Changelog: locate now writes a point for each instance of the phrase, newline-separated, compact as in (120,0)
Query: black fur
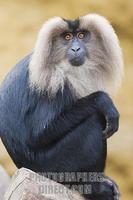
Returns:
(73,24)
(61,134)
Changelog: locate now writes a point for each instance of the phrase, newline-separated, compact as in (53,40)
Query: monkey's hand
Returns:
(106,107)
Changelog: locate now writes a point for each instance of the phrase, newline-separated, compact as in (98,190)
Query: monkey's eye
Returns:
(81,35)
(68,36)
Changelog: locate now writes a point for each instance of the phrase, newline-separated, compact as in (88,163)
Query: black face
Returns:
(76,41)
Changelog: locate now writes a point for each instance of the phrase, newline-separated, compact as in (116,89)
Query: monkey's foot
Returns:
(105,190)
(114,187)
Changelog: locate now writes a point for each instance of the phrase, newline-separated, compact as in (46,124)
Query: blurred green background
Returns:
(19,24)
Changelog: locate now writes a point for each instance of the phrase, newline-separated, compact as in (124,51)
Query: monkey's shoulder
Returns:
(19,104)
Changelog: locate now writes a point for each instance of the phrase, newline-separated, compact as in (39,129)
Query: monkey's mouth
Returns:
(76,61)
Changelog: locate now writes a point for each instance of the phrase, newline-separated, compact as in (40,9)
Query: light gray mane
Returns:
(102,71)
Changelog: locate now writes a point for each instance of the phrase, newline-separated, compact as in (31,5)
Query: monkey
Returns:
(56,112)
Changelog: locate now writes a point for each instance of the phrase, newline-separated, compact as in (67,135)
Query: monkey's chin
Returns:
(76,62)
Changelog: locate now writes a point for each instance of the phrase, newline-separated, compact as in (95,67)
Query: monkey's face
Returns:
(75,44)
(71,45)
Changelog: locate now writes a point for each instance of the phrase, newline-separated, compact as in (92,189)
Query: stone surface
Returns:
(32,196)
(4,182)
(28,185)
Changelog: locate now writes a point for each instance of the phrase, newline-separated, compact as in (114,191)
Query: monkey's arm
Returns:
(72,117)
(106,107)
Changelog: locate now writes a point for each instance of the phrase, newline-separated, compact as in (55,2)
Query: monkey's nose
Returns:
(75,49)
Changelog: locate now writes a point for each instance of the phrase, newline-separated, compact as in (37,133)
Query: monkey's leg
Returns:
(71,117)
(81,150)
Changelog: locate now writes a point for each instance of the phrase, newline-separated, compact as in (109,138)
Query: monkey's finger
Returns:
(116,192)
(111,127)
(115,188)
(107,132)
